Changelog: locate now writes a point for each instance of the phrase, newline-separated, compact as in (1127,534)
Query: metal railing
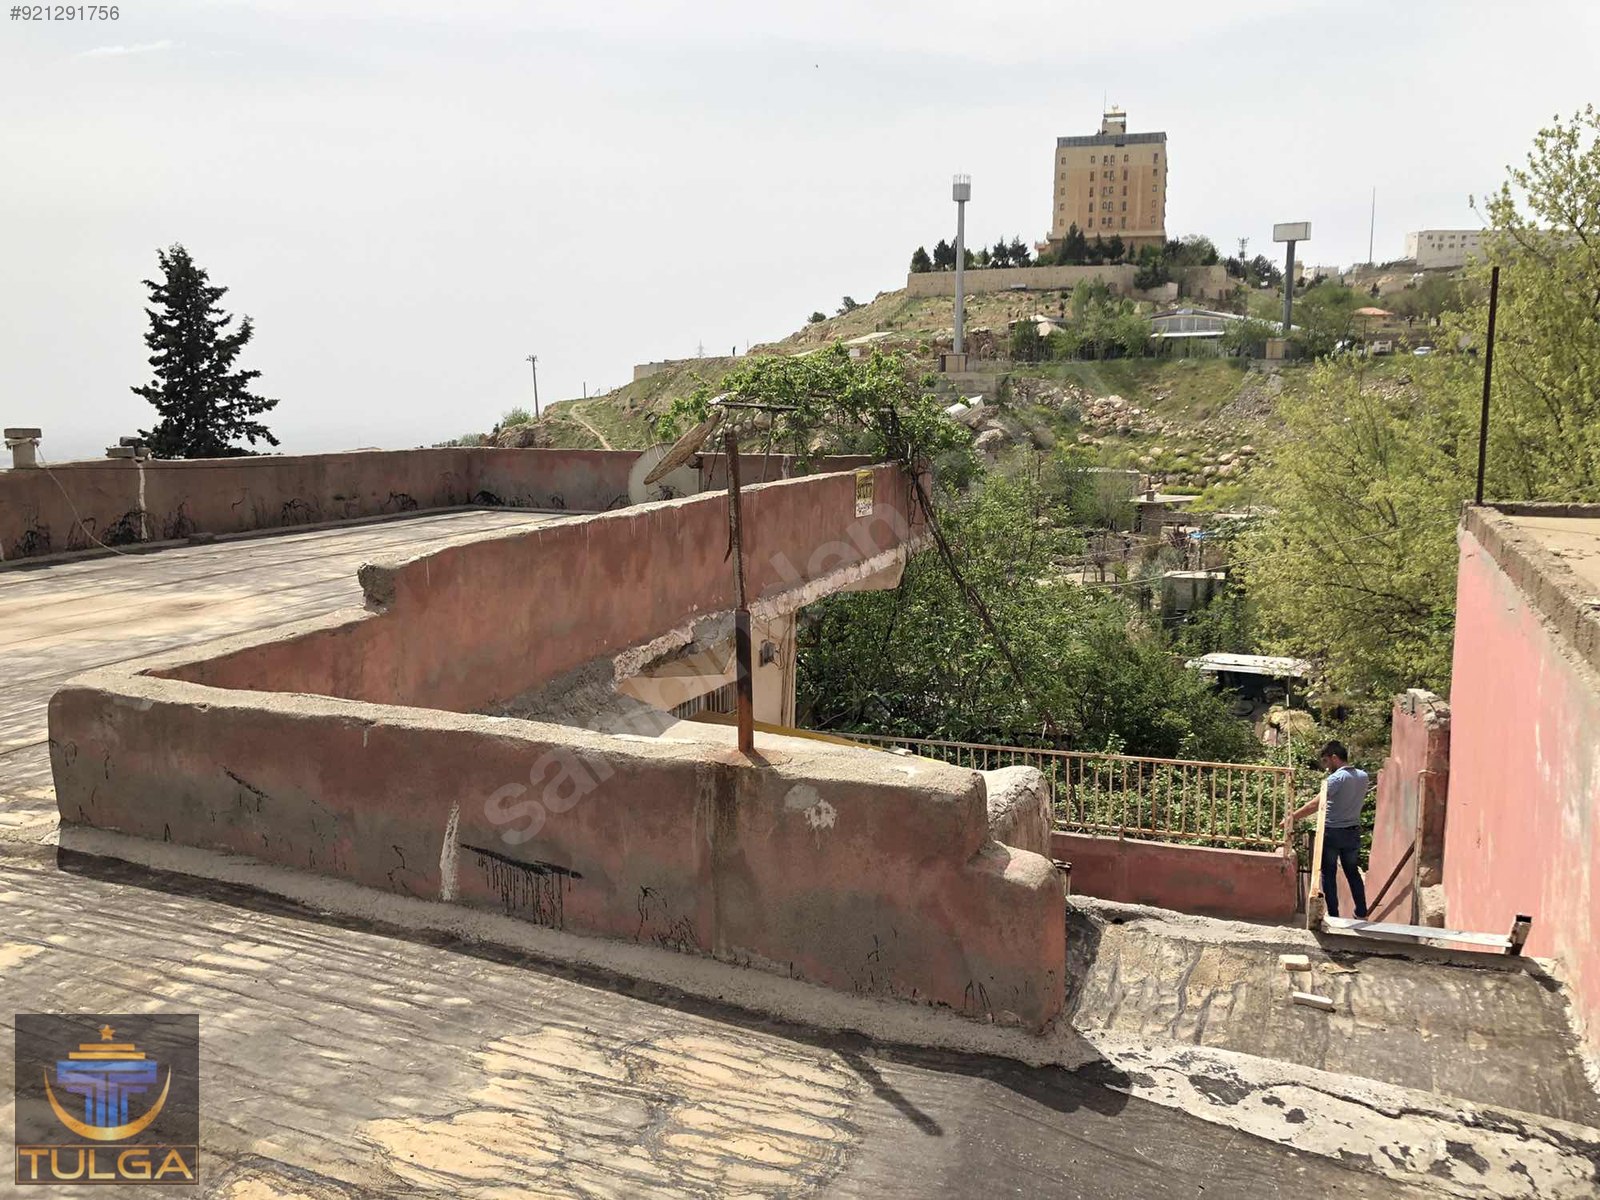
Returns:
(1240,805)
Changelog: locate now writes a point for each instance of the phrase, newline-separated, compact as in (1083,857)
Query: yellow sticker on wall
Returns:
(864,492)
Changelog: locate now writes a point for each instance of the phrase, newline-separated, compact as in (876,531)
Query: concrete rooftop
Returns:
(350,1057)
(1572,539)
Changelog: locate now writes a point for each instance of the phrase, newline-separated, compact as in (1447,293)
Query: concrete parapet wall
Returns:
(1118,276)
(850,868)
(1247,885)
(489,618)
(1522,833)
(1410,815)
(122,501)
(1198,282)
(353,745)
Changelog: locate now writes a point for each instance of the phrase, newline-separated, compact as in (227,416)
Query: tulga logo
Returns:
(107,1099)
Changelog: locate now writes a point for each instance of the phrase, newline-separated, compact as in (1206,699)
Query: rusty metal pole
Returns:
(741,614)
(1488,372)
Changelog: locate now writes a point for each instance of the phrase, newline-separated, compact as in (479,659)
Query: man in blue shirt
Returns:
(1341,838)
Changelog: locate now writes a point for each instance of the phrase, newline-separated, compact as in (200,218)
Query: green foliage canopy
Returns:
(1357,562)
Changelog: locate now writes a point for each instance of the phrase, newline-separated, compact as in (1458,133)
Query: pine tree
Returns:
(205,404)
(920,262)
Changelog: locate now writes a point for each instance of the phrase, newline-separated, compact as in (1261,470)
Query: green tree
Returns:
(816,317)
(1323,317)
(1020,256)
(1248,338)
(833,403)
(1115,250)
(1152,271)
(1438,294)
(847,305)
(203,399)
(1000,254)
(917,660)
(1193,251)
(1546,425)
(921,264)
(1355,565)
(1026,343)
(944,256)
(1074,248)
(1357,561)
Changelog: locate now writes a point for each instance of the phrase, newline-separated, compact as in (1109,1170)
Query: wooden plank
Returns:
(1316,902)
(1414,933)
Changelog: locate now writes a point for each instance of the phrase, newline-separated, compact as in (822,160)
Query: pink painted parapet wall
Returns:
(1246,885)
(1408,830)
(74,506)
(1523,828)
(327,747)
(490,617)
(121,502)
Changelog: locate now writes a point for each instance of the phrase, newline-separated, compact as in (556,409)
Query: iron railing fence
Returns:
(1238,805)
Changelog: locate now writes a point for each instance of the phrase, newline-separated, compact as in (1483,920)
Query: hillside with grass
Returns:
(1192,424)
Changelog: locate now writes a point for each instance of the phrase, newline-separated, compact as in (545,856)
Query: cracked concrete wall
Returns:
(120,501)
(489,618)
(1523,827)
(856,870)
(1249,885)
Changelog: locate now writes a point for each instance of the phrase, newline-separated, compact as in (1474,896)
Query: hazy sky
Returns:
(409,198)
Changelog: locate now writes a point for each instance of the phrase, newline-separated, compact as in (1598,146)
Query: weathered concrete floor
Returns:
(59,620)
(1492,1031)
(345,1060)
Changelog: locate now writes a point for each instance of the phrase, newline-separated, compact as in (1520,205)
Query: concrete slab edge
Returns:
(242,535)
(1412,1137)
(1401,1134)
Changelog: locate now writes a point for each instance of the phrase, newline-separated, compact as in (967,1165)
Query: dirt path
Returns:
(584,421)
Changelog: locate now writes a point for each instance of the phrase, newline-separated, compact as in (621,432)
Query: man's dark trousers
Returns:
(1343,846)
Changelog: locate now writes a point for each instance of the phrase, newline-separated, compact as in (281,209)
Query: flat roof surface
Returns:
(1111,139)
(1251,664)
(348,1060)
(1574,540)
(345,1059)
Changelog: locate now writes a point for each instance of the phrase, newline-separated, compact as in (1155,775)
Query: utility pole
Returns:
(1372,225)
(961,192)
(533,361)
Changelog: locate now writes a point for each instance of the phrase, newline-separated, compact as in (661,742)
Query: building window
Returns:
(1124,172)
(1124,158)
(1124,222)
(1124,206)
(1091,176)
(1091,206)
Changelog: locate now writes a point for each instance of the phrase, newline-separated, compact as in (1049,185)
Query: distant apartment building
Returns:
(1112,183)
(1441,249)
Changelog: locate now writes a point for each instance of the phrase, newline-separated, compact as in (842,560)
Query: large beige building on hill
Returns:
(1112,182)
